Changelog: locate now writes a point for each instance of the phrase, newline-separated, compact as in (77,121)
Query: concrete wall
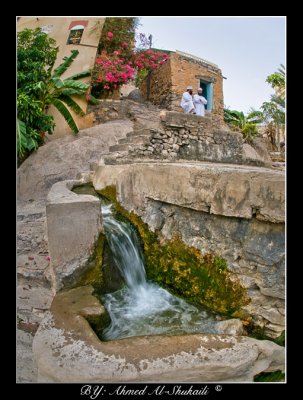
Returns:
(59,30)
(73,226)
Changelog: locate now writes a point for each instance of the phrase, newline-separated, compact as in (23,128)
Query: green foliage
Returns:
(249,131)
(276,376)
(280,340)
(202,280)
(57,91)
(118,61)
(123,30)
(38,89)
(67,61)
(247,125)
(36,55)
(94,275)
(277,81)
(259,332)
(274,110)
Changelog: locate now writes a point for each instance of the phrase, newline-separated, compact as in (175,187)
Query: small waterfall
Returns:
(142,307)
(125,248)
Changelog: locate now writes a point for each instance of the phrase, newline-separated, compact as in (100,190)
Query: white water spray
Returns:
(142,307)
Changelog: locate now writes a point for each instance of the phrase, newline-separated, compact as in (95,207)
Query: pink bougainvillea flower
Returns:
(110,34)
(87,98)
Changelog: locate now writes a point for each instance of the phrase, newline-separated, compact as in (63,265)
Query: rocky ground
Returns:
(34,294)
(62,159)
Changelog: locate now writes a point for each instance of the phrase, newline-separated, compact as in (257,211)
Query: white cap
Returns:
(200,89)
(189,88)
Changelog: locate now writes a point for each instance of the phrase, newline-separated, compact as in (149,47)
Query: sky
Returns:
(246,49)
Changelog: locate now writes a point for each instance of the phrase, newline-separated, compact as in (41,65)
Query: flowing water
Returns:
(142,307)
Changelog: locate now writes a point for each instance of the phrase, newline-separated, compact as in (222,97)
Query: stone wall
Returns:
(169,82)
(188,71)
(160,86)
(253,249)
(191,137)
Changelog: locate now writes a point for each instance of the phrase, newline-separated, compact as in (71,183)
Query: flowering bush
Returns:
(111,71)
(118,62)
(147,61)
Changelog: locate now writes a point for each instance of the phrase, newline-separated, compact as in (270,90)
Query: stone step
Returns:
(113,158)
(138,132)
(118,147)
(140,139)
(150,122)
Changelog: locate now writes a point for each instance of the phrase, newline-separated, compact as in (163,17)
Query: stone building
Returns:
(70,33)
(166,85)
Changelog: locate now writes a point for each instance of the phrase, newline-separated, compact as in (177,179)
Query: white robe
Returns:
(187,102)
(199,102)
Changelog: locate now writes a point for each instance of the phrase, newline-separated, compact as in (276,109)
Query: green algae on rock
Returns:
(201,280)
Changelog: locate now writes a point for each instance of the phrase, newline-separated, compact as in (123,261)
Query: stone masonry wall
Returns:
(160,86)
(190,137)
(186,72)
(169,82)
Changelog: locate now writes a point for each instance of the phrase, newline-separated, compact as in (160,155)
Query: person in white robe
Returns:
(187,101)
(199,102)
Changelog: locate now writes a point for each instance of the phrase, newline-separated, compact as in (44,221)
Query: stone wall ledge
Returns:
(240,191)
(73,226)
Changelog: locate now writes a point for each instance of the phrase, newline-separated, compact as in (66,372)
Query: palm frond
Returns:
(80,75)
(281,70)
(67,62)
(66,114)
(72,104)
(93,100)
(21,139)
(278,100)
(69,83)
(72,91)
(57,82)
(255,117)
(31,143)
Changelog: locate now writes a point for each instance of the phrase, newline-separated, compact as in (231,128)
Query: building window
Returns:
(75,35)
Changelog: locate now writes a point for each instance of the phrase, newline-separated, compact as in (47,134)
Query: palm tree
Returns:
(274,112)
(247,125)
(58,92)
(277,81)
